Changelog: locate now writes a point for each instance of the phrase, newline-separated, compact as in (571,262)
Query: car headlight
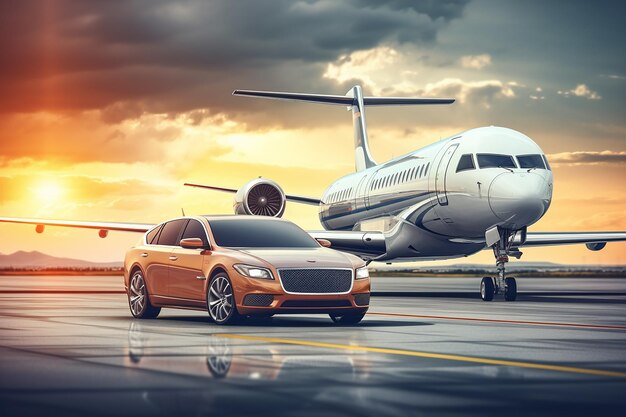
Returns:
(362,273)
(254,271)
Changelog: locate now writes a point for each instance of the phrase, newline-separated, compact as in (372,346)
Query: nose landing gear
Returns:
(502,248)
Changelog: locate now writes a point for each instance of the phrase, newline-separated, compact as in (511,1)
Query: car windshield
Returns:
(491,160)
(259,233)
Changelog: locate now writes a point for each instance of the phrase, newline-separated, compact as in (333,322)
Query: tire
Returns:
(348,318)
(487,289)
(510,292)
(138,299)
(220,300)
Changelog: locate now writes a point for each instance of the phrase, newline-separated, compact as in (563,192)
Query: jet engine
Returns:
(260,197)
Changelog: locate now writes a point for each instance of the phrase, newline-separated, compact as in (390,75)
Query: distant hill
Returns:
(34,259)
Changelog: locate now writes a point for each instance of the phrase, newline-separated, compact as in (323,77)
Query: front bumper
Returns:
(262,297)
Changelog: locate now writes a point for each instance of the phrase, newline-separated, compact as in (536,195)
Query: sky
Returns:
(107,108)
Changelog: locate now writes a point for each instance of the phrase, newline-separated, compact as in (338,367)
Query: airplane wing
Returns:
(102,226)
(366,244)
(289,197)
(593,240)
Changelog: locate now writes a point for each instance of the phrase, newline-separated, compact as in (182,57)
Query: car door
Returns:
(186,278)
(157,258)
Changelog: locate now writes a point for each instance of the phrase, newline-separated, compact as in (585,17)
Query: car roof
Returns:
(241,217)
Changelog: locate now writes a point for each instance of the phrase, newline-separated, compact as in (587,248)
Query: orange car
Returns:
(235,266)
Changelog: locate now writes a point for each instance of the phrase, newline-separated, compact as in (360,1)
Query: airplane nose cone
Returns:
(519,199)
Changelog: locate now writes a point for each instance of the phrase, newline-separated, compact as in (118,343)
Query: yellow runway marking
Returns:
(401,352)
(533,323)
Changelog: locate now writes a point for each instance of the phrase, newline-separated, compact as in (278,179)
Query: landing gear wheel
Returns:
(138,299)
(221,300)
(487,289)
(348,318)
(510,289)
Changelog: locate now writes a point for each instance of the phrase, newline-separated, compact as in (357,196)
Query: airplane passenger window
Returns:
(465,163)
(491,160)
(530,161)
(171,231)
(426,169)
(194,229)
(153,234)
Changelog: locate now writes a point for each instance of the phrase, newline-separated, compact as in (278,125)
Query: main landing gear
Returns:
(501,284)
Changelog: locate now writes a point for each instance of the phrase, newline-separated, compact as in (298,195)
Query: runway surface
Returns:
(68,346)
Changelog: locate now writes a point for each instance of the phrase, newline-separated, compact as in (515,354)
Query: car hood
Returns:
(301,258)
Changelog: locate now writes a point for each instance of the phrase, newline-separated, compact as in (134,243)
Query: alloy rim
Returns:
(137,294)
(219,357)
(220,299)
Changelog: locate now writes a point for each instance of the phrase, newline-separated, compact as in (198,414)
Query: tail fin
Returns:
(355,101)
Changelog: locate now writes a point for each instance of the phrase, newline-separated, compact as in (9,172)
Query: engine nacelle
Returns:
(596,246)
(260,197)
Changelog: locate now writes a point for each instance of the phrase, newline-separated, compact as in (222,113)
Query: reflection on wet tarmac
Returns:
(225,358)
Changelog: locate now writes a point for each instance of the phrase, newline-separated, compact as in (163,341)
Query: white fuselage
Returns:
(445,204)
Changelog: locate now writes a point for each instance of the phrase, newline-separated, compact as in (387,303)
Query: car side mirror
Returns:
(192,243)
(325,243)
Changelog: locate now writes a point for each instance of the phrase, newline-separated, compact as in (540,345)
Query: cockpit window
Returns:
(531,161)
(465,163)
(546,161)
(492,160)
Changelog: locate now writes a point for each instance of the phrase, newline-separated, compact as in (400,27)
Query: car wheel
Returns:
(349,318)
(138,299)
(221,300)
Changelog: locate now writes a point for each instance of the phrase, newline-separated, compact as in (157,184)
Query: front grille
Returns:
(258,300)
(316,303)
(316,281)
(362,299)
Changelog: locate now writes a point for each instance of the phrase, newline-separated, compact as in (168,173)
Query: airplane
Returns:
(477,190)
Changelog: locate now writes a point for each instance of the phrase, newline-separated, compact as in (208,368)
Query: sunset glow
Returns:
(48,192)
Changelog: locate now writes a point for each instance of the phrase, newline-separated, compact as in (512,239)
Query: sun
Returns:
(48,191)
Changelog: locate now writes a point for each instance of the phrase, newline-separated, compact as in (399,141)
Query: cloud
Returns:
(162,56)
(475,61)
(476,92)
(580,158)
(614,76)
(581,90)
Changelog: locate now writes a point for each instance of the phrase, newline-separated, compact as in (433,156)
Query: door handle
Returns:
(173,258)
(144,255)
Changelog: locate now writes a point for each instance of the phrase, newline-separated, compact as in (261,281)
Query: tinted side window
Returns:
(465,163)
(171,231)
(150,237)
(194,229)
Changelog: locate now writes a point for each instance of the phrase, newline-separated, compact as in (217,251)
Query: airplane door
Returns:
(440,175)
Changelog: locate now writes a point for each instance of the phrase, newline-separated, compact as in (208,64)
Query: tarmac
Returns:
(428,346)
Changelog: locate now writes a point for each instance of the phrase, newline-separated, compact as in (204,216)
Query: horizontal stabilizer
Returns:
(343,100)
